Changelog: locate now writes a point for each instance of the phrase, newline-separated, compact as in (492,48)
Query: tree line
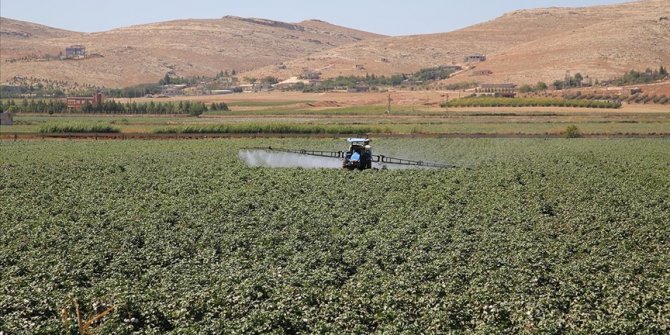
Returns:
(636,77)
(113,107)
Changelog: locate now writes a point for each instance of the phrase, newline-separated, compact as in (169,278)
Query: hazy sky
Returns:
(389,17)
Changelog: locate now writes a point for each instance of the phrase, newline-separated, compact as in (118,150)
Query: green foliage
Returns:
(540,237)
(558,85)
(136,91)
(219,106)
(267,129)
(636,77)
(572,132)
(529,102)
(111,106)
(374,81)
(432,74)
(460,86)
(170,80)
(78,128)
(525,89)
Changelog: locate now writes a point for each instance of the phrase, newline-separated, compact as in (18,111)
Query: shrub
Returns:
(78,128)
(572,132)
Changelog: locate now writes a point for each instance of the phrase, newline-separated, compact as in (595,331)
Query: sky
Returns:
(388,17)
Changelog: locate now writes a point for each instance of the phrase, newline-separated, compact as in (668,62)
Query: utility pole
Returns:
(388,107)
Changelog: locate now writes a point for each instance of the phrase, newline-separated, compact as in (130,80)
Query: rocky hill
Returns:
(145,53)
(525,46)
(521,47)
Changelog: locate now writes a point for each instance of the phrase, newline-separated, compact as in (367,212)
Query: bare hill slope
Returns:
(521,47)
(524,46)
(145,53)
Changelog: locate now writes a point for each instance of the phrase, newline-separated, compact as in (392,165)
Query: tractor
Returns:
(359,156)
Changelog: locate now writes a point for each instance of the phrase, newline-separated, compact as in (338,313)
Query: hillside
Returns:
(521,47)
(524,46)
(14,29)
(145,53)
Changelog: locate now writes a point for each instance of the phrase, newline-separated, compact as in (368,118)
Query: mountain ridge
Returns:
(523,46)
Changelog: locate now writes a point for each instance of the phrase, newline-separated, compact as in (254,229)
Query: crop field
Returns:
(153,237)
(372,119)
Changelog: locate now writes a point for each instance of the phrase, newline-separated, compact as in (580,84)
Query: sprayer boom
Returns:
(359,157)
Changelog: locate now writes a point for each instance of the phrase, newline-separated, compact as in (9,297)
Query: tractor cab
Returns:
(359,155)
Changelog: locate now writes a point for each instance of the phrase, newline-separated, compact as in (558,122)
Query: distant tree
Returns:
(525,89)
(572,132)
(541,86)
(558,84)
(166,80)
(87,107)
(221,106)
(578,79)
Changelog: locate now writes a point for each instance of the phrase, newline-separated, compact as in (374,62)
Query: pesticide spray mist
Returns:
(264,158)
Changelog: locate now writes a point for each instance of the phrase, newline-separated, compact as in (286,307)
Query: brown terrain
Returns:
(145,53)
(521,47)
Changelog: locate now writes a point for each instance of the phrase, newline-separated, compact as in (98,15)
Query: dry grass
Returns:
(522,47)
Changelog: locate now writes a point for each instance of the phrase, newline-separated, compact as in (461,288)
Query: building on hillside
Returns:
(474,58)
(173,90)
(359,89)
(498,90)
(360,67)
(78,102)
(6,118)
(75,51)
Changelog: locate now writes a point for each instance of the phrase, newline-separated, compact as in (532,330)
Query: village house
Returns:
(474,58)
(359,89)
(173,90)
(499,90)
(79,102)
(75,51)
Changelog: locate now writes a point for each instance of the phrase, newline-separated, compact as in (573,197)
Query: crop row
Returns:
(267,129)
(78,128)
(529,102)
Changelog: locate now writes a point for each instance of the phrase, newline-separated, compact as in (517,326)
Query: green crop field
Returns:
(152,237)
(367,118)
